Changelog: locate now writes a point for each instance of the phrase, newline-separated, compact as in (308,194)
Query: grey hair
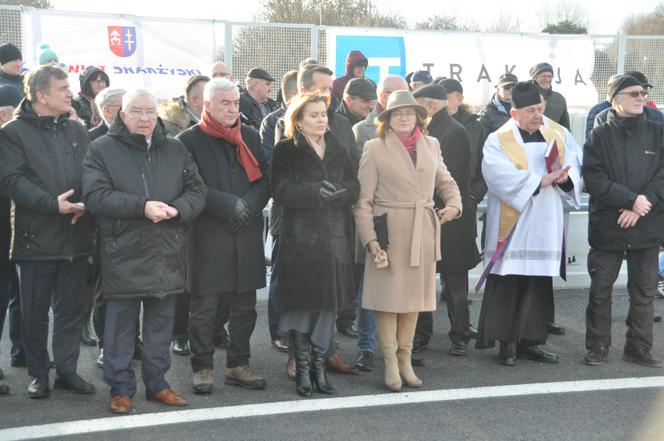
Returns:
(131,94)
(439,103)
(107,96)
(217,85)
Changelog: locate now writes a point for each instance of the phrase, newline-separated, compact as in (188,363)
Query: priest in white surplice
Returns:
(525,245)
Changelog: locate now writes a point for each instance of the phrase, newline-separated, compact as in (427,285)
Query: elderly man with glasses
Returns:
(144,189)
(623,168)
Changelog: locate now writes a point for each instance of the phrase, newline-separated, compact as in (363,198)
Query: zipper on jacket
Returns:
(145,183)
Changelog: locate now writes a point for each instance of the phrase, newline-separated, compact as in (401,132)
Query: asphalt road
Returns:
(449,407)
(589,415)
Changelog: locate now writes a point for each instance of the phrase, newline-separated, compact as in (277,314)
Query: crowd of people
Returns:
(114,203)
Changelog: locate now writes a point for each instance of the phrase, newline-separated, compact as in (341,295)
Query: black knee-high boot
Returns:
(302,363)
(318,371)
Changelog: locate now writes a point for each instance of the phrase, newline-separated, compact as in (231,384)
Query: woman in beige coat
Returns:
(399,172)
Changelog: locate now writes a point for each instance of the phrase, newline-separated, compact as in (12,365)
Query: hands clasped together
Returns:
(158,211)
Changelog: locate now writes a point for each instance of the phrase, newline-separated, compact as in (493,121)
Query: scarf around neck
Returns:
(410,142)
(232,135)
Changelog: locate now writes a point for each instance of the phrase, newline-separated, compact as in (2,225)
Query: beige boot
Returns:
(406,324)
(386,330)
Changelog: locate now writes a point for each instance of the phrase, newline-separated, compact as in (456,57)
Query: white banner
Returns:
(476,60)
(134,51)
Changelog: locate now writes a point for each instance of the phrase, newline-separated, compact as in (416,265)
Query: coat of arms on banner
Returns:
(122,40)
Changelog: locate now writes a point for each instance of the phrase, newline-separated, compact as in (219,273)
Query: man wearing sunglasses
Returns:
(650,112)
(623,168)
(497,112)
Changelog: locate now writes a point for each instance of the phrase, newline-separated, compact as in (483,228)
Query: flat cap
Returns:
(361,87)
(452,85)
(260,74)
(433,91)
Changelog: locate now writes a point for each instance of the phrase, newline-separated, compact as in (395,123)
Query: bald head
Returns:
(219,70)
(388,85)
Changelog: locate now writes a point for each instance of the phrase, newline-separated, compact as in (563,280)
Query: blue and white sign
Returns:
(386,54)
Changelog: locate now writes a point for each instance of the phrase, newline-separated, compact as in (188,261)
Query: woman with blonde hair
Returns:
(397,222)
(313,178)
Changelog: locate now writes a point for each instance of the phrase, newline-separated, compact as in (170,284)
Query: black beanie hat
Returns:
(9,52)
(539,69)
(524,94)
(620,83)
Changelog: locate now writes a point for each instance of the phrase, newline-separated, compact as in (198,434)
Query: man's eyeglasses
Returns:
(634,93)
(139,113)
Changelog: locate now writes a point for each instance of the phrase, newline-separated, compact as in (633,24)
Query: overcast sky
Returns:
(605,16)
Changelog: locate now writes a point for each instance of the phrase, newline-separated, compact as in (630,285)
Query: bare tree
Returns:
(504,21)
(329,13)
(443,22)
(564,11)
(40,4)
(646,24)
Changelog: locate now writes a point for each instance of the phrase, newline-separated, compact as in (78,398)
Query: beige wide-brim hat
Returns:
(399,99)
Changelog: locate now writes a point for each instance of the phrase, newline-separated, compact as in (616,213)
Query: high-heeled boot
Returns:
(318,375)
(386,330)
(406,324)
(302,363)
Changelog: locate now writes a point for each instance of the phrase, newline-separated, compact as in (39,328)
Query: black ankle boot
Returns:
(301,351)
(318,371)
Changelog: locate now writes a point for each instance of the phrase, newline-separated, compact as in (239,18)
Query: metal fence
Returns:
(279,48)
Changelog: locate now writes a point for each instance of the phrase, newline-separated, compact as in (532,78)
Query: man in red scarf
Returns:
(227,262)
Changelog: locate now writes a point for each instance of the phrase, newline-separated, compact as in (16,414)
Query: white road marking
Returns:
(316,405)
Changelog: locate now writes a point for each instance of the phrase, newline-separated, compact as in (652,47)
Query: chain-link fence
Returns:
(279,48)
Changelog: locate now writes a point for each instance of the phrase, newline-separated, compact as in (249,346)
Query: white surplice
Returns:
(535,248)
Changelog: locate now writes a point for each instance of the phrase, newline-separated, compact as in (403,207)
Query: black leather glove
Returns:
(242,214)
(327,189)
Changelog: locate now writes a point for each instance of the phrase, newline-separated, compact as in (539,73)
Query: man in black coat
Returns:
(458,249)
(255,102)
(623,169)
(9,296)
(497,111)
(41,170)
(227,262)
(144,189)
(108,102)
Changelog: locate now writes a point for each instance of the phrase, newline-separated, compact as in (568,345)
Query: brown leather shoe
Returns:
(169,398)
(337,364)
(120,404)
(290,368)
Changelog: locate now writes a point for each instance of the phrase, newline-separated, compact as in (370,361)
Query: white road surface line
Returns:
(316,405)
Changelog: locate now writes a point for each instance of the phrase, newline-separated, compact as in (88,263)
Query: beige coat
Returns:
(390,184)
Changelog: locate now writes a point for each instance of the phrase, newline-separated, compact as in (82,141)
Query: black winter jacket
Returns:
(622,159)
(458,249)
(494,115)
(316,239)
(140,258)
(251,110)
(220,260)
(478,134)
(41,158)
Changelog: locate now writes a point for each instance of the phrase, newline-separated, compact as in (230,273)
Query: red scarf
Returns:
(410,142)
(95,118)
(213,128)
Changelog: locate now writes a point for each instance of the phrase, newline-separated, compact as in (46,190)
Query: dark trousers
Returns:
(119,337)
(90,292)
(10,305)
(181,326)
(99,311)
(603,267)
(272,307)
(456,296)
(456,285)
(241,323)
(63,281)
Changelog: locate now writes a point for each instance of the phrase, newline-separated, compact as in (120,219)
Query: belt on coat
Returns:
(420,207)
